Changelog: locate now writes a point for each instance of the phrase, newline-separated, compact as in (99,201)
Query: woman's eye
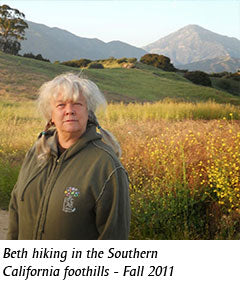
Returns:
(60,105)
(78,104)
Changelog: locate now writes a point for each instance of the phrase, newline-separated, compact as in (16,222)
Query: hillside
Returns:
(58,44)
(194,43)
(21,77)
(218,64)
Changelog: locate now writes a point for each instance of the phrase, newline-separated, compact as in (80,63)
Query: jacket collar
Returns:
(88,136)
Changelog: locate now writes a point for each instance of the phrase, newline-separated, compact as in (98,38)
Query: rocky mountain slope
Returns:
(194,43)
(217,64)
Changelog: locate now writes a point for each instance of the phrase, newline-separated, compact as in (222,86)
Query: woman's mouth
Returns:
(70,121)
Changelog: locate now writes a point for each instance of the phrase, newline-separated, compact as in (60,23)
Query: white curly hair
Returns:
(71,85)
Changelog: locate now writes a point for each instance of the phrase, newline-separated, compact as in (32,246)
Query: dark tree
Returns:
(12,29)
(159,61)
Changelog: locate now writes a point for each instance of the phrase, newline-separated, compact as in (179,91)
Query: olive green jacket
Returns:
(83,194)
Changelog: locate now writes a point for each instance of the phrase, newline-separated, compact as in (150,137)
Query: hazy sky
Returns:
(136,22)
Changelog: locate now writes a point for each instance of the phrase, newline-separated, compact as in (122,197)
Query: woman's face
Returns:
(70,117)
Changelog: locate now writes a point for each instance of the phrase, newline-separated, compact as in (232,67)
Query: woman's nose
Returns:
(70,109)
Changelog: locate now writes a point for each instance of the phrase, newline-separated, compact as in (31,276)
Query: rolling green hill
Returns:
(21,77)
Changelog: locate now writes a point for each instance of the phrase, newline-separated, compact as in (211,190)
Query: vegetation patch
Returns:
(227,81)
(198,77)
(159,61)
(183,164)
(96,65)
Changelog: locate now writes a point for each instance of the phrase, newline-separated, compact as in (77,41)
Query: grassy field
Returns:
(181,147)
(184,170)
(21,78)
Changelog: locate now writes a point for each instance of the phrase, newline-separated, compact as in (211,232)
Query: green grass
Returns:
(154,85)
(171,215)
(8,178)
(21,77)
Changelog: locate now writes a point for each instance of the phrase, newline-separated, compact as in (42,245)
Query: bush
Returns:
(38,56)
(95,65)
(159,61)
(121,60)
(235,76)
(132,60)
(227,75)
(83,62)
(220,74)
(224,84)
(228,84)
(198,77)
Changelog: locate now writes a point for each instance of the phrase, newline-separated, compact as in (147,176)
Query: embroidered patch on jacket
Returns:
(68,202)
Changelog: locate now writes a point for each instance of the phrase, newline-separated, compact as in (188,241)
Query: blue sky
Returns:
(136,22)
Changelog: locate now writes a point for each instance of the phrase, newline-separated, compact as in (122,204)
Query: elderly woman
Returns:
(71,184)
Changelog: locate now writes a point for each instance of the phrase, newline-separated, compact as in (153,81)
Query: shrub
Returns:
(121,60)
(198,77)
(234,76)
(83,62)
(29,55)
(95,65)
(228,75)
(159,61)
(38,56)
(228,84)
(224,84)
(132,60)
(220,74)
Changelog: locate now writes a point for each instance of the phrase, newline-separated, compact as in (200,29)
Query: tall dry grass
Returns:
(184,173)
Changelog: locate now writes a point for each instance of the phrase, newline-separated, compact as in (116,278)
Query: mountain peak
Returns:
(194,43)
(194,26)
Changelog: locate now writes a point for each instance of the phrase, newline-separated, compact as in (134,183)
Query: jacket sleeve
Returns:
(113,207)
(13,217)
(13,207)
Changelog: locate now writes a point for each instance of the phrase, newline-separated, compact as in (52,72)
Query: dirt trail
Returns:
(3,224)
